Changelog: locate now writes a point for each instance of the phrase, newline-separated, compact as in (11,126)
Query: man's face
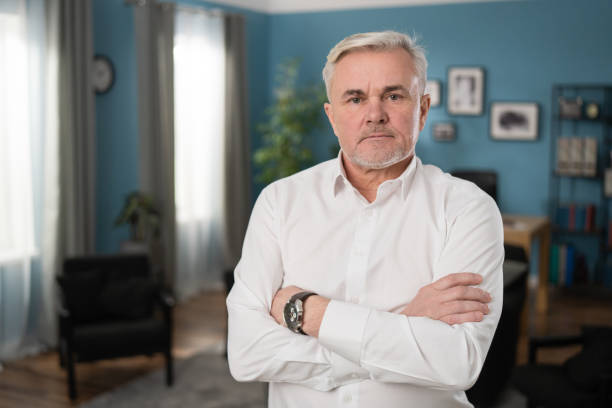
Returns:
(375,108)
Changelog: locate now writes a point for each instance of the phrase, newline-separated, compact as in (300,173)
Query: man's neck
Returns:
(367,180)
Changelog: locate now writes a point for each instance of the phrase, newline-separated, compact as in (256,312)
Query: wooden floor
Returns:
(39,381)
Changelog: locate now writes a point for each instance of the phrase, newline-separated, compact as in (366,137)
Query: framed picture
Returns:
(432,87)
(514,120)
(465,91)
(444,132)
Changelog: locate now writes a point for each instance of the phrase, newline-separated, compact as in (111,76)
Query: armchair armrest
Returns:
(536,343)
(166,299)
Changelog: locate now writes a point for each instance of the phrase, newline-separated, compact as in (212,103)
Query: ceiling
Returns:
(304,6)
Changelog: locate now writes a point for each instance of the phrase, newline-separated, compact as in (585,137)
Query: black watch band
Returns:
(294,311)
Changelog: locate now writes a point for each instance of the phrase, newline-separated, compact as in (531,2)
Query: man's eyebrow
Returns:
(393,88)
(352,92)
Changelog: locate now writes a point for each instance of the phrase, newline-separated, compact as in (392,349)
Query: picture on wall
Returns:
(444,132)
(465,91)
(514,120)
(432,88)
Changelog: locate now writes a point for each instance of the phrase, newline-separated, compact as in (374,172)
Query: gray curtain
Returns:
(237,148)
(154,27)
(77,129)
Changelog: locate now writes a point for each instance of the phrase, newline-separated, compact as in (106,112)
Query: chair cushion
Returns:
(121,338)
(595,358)
(132,298)
(549,386)
(81,291)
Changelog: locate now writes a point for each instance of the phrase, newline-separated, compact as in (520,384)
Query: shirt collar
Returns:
(340,181)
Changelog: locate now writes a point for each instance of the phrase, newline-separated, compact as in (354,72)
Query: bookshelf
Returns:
(581,123)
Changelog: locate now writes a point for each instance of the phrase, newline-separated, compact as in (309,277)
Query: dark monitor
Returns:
(485,179)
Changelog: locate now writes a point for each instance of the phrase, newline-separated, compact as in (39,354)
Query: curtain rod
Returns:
(183,7)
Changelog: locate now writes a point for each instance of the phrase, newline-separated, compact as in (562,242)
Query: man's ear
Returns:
(330,115)
(424,110)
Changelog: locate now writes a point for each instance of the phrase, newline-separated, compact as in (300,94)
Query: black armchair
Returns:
(585,380)
(112,307)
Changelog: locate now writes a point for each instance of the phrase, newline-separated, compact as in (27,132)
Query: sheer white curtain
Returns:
(28,175)
(199,109)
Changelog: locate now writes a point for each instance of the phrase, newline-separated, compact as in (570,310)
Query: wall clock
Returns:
(103,75)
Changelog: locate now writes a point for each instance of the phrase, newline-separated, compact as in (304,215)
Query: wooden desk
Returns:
(520,230)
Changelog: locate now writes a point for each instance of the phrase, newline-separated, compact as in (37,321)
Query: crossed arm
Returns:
(451,299)
(440,339)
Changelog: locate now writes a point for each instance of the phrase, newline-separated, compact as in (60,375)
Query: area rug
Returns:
(202,381)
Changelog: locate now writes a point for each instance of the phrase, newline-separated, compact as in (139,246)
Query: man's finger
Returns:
(462,306)
(465,293)
(463,318)
(457,279)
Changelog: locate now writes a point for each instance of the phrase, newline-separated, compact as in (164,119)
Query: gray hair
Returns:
(377,41)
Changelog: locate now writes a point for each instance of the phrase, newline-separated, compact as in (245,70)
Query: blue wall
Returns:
(524,47)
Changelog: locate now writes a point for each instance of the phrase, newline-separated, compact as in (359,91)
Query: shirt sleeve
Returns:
(259,349)
(422,351)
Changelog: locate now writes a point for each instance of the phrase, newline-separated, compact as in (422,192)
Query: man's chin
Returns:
(375,163)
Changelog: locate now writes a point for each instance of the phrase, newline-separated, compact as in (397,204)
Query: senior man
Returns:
(370,279)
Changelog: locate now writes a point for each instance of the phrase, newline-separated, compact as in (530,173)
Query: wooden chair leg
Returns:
(71,380)
(61,351)
(169,368)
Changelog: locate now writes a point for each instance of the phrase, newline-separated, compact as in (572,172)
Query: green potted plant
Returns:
(294,115)
(143,218)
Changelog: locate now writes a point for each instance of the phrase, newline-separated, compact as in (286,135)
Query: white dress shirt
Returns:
(314,230)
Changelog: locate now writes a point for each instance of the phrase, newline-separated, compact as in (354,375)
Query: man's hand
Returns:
(451,299)
(314,309)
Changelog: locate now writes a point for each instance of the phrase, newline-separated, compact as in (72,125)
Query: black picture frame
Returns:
(514,121)
(465,91)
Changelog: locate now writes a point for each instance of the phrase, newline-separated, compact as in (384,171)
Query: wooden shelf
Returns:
(596,177)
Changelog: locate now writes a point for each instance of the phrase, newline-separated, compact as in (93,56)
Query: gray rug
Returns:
(202,381)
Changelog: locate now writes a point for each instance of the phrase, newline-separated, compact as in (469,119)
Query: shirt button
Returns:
(347,398)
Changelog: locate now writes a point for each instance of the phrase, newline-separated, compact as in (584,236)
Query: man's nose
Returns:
(376,114)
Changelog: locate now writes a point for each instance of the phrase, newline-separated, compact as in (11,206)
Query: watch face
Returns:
(292,317)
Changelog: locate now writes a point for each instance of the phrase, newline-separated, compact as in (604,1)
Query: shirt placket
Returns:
(359,254)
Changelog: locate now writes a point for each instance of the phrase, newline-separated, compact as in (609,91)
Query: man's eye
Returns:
(395,97)
(355,100)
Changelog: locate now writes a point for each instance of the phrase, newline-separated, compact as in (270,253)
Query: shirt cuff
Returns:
(342,329)
(345,371)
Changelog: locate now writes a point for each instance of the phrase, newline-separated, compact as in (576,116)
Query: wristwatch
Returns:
(294,311)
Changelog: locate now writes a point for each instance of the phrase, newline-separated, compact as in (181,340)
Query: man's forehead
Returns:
(363,69)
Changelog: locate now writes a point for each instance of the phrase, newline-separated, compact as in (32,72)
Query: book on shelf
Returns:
(575,217)
(589,159)
(576,154)
(563,159)
(608,183)
(566,265)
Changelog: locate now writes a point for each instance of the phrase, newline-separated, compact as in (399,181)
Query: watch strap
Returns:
(301,296)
